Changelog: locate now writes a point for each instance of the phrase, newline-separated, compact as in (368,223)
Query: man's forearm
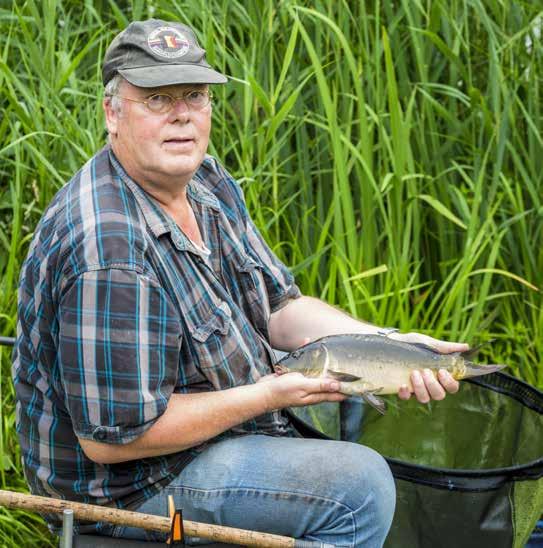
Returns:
(189,419)
(310,318)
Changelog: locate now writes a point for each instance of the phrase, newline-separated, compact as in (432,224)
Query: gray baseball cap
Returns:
(157,53)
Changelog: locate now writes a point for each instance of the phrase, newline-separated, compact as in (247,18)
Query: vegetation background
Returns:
(391,153)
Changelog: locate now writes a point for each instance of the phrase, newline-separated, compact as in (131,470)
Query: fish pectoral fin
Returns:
(366,391)
(375,401)
(342,377)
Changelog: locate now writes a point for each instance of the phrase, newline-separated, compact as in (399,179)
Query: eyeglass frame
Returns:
(173,98)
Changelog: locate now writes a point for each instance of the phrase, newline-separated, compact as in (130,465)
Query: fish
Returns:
(373,365)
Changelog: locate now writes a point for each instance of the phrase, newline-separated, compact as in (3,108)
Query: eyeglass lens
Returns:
(161,102)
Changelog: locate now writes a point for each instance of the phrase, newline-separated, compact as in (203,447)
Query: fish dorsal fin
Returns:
(423,346)
(469,354)
(343,377)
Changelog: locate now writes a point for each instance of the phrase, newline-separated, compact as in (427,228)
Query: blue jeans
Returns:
(334,492)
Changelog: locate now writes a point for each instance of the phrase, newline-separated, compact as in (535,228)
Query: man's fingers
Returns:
(443,347)
(427,387)
(323,397)
(321,390)
(448,382)
(313,386)
(327,385)
(435,389)
(404,393)
(446,347)
(419,387)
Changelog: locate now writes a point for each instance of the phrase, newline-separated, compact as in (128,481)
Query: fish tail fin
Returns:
(472,352)
(475,370)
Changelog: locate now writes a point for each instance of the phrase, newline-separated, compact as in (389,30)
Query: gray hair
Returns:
(112,90)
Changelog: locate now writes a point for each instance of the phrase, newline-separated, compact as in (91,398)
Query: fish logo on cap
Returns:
(168,42)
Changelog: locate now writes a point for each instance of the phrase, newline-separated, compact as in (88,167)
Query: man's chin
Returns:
(180,166)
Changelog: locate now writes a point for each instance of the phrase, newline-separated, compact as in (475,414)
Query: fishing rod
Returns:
(91,512)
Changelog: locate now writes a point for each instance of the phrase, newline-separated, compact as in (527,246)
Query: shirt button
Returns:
(100,435)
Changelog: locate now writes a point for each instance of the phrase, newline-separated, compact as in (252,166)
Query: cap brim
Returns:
(167,75)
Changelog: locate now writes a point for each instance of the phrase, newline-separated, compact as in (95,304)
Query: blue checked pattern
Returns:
(118,310)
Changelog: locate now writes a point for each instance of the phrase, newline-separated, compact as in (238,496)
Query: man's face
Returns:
(158,149)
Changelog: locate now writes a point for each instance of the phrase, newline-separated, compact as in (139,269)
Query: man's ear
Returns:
(111,115)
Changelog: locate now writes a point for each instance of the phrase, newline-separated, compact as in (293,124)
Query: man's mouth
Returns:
(177,140)
(179,145)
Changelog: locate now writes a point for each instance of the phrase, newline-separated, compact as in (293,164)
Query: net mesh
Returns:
(527,508)
(493,428)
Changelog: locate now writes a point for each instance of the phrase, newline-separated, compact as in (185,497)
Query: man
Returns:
(149,305)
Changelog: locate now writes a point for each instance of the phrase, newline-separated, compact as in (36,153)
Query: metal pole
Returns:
(7,341)
(67,529)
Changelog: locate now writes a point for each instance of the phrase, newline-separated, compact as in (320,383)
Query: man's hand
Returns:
(295,390)
(425,385)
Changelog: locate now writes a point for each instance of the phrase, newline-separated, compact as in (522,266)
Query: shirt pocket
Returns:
(254,294)
(218,322)
(212,350)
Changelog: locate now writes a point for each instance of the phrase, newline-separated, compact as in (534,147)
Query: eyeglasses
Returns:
(160,103)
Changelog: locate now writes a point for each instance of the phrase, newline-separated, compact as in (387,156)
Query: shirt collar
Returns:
(200,193)
(157,220)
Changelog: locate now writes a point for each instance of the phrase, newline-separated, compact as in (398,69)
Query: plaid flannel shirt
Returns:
(118,310)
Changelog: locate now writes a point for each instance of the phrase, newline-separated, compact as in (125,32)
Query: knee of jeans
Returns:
(384,500)
(379,490)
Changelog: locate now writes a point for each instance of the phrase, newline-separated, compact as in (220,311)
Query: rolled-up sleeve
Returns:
(118,353)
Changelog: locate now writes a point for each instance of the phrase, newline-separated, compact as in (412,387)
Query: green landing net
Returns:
(468,469)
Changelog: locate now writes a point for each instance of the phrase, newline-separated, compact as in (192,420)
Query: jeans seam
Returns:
(355,530)
(262,490)
(352,544)
(298,494)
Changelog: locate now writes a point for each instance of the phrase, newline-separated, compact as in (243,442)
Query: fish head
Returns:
(317,353)
(309,360)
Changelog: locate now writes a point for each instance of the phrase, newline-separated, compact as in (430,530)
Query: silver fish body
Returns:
(369,365)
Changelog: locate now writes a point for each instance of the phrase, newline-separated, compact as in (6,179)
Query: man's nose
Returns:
(180,109)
